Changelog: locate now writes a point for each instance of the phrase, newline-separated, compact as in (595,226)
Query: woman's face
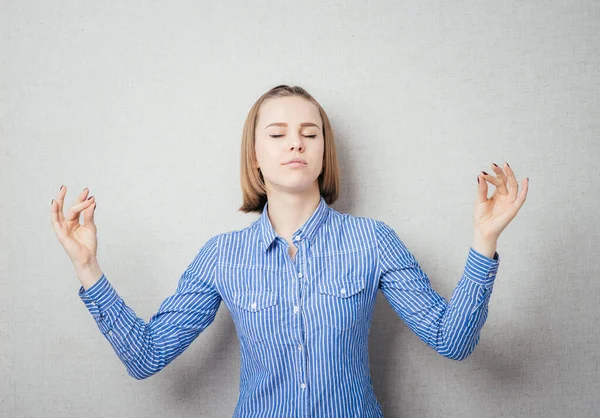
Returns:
(287,128)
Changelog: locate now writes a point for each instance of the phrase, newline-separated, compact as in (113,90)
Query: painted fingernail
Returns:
(495,164)
(484,172)
(89,197)
(61,187)
(506,163)
(477,179)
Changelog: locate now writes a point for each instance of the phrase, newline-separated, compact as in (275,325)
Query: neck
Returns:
(288,212)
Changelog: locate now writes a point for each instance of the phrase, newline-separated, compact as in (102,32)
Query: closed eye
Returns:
(307,136)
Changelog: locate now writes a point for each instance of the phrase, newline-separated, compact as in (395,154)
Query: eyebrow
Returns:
(285,124)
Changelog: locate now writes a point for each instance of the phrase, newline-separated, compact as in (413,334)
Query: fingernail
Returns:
(89,197)
(61,187)
(477,179)
(507,164)
(484,172)
(52,201)
(495,164)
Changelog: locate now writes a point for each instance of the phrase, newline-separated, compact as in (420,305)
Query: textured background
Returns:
(144,103)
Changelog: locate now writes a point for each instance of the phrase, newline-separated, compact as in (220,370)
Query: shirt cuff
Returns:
(481,269)
(101,301)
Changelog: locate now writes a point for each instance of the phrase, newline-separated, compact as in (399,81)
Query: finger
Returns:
(75,210)
(81,198)
(55,220)
(523,194)
(513,185)
(496,182)
(88,216)
(59,202)
(491,179)
(482,189)
(501,178)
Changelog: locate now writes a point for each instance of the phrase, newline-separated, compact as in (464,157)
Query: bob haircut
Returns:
(253,187)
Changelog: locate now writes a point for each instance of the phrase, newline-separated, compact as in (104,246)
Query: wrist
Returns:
(88,273)
(484,245)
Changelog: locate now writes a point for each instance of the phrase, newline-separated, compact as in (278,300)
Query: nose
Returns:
(297,142)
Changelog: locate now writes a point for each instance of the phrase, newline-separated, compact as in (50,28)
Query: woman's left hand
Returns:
(494,214)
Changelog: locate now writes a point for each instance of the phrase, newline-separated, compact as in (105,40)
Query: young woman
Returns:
(301,281)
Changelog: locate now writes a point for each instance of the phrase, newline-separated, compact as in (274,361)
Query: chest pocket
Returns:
(341,301)
(257,313)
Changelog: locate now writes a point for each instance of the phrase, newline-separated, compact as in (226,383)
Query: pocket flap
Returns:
(342,288)
(255,301)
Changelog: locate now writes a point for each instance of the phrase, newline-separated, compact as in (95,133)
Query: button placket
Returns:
(300,265)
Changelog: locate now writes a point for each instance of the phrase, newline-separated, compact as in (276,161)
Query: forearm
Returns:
(464,316)
(132,339)
(463,320)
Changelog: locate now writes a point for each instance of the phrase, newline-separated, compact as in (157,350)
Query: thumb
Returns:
(88,216)
(482,189)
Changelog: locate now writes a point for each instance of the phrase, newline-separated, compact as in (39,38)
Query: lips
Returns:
(296,160)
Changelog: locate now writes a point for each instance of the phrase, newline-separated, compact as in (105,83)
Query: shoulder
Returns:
(235,237)
(346,220)
(370,229)
(365,223)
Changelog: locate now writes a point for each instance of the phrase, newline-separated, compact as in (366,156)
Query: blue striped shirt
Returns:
(302,323)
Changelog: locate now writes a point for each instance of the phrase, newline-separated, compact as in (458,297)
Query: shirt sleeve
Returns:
(451,328)
(146,348)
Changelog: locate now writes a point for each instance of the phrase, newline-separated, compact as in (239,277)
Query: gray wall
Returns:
(144,103)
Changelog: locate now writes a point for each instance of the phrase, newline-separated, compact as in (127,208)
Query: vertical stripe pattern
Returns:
(302,322)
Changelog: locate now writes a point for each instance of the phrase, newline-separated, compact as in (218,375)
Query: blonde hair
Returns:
(254,192)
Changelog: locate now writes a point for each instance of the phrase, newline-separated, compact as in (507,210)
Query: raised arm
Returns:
(451,328)
(144,348)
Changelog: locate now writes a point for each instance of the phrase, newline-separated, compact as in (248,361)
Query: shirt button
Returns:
(300,347)
(110,333)
(302,385)
(93,303)
(296,309)
(490,275)
(343,290)
(300,274)
(253,305)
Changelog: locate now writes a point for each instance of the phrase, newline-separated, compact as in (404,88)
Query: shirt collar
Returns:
(306,232)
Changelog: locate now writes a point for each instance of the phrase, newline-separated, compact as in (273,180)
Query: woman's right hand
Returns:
(79,241)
